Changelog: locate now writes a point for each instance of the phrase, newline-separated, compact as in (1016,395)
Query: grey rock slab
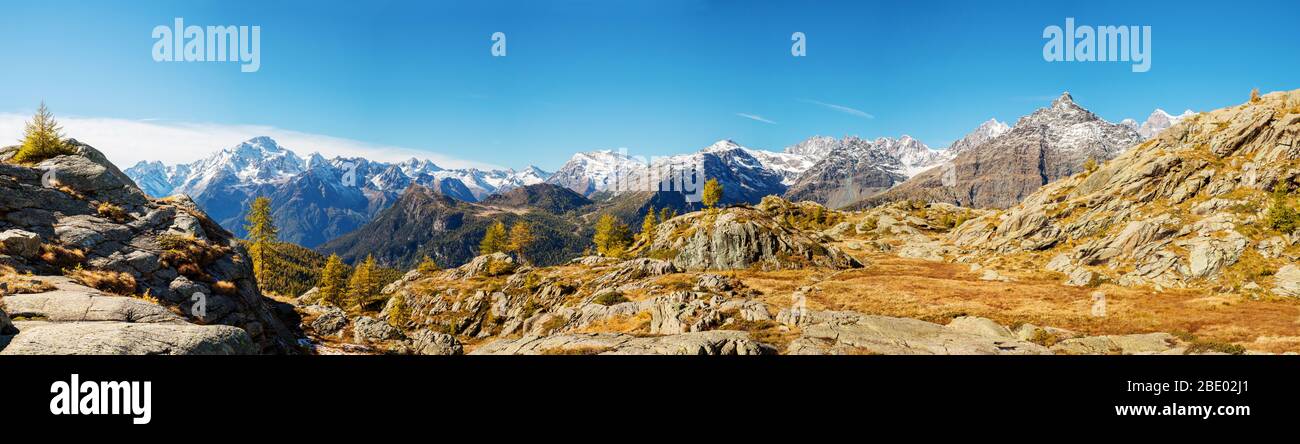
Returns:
(87,305)
(124,338)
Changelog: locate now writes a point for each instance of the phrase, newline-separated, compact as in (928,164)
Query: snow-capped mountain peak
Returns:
(816,147)
(590,171)
(157,179)
(317,161)
(1160,120)
(993,127)
(721,145)
(413,167)
(986,131)
(529,176)
(259,160)
(1064,100)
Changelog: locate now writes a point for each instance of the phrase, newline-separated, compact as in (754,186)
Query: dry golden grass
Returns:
(938,292)
(775,287)
(1275,344)
(13,283)
(149,297)
(110,281)
(673,282)
(638,324)
(62,257)
(112,212)
(189,254)
(225,288)
(71,192)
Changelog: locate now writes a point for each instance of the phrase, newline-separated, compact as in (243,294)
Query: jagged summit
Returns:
(1064,99)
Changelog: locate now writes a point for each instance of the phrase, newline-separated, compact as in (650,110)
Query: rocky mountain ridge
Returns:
(1049,144)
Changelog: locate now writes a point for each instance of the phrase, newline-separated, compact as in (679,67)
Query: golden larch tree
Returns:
(262,235)
(333,281)
(42,138)
(712,193)
(494,240)
(612,237)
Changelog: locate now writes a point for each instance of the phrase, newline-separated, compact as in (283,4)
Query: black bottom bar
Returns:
(364,392)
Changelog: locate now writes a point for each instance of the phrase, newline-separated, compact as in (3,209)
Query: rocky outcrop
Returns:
(646,306)
(86,213)
(543,302)
(366,329)
(1287,281)
(634,270)
(1182,209)
(327,320)
(740,238)
(908,229)
(494,264)
(426,342)
(24,244)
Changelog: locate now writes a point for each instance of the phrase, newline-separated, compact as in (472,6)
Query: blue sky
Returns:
(656,77)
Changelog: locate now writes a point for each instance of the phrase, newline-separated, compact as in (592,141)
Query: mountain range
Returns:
(316,200)
(313,199)
(852,168)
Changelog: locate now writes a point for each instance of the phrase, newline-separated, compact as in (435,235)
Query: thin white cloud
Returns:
(126,142)
(843,109)
(756,117)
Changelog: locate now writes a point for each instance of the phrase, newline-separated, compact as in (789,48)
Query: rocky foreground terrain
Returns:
(90,265)
(747,281)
